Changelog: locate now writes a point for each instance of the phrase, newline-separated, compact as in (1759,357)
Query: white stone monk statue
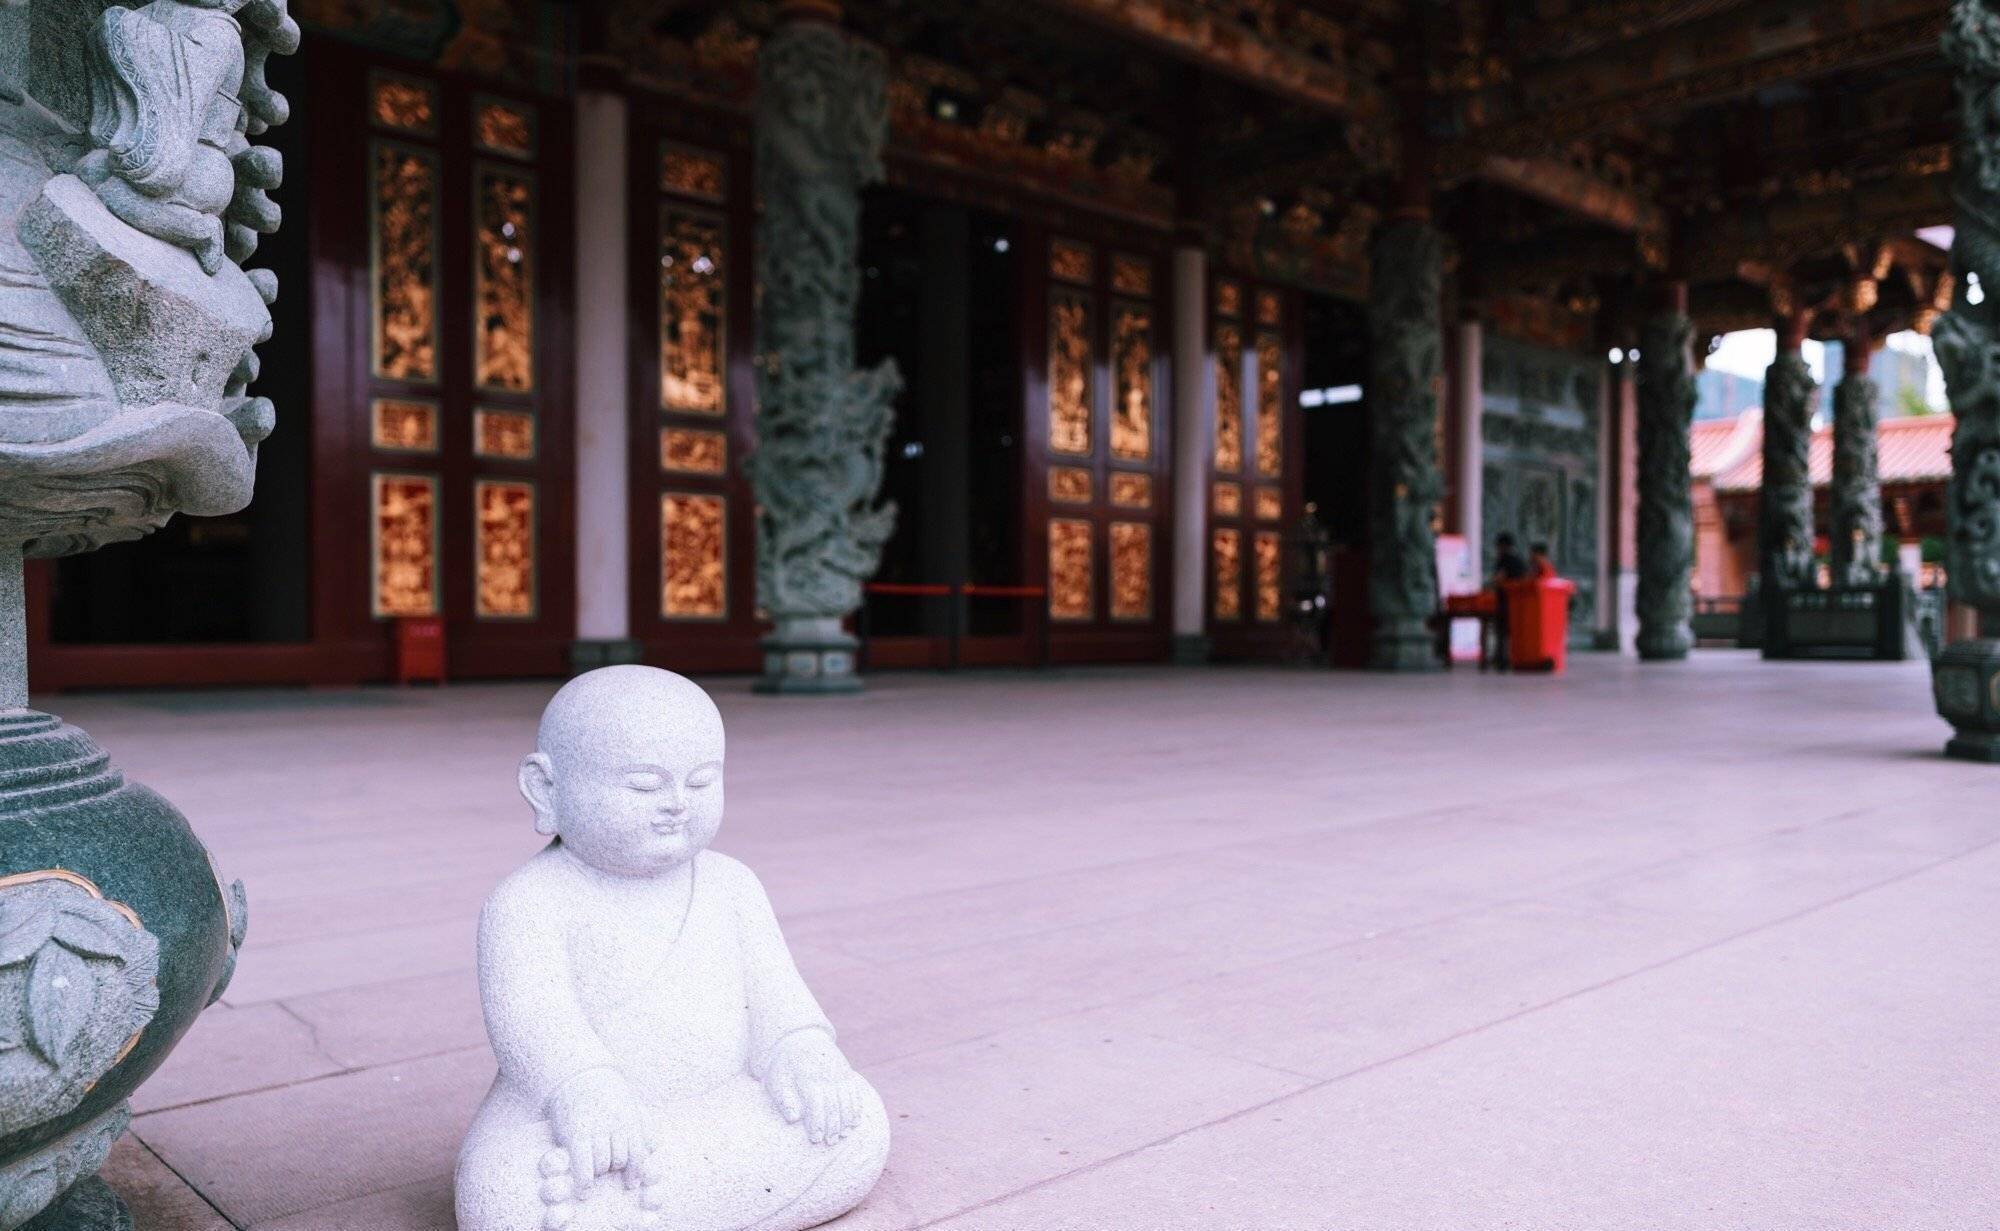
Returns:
(662,1064)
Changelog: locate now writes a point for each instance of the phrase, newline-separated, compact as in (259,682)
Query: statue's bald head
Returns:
(630,713)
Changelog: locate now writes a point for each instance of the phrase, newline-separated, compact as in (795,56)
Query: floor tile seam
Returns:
(274,1219)
(1468,1032)
(190,1185)
(312,1032)
(315,1079)
(349,987)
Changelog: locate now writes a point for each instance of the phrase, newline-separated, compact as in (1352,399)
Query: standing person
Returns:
(1507,566)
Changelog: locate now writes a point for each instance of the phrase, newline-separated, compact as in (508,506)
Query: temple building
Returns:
(1171,290)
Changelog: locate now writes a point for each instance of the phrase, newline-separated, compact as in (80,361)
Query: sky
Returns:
(1750,351)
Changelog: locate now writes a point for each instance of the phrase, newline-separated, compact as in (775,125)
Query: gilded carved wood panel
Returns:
(504,549)
(693,302)
(1132,363)
(404,260)
(694,554)
(1131,570)
(503,280)
(404,544)
(1071,369)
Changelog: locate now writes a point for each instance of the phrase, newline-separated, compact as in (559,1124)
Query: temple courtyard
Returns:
(1709,945)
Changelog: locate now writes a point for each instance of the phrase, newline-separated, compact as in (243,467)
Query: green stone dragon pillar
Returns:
(1966,677)
(822,115)
(1666,508)
(1856,537)
(1785,506)
(1405,486)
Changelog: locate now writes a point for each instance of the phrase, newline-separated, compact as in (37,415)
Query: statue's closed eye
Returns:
(645,781)
(706,775)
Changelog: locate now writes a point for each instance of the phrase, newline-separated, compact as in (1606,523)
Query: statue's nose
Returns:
(673,803)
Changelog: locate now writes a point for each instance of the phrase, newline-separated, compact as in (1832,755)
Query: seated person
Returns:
(1540,567)
(1507,566)
(662,1064)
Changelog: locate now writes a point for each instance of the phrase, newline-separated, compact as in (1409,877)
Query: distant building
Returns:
(1913,456)
(1725,395)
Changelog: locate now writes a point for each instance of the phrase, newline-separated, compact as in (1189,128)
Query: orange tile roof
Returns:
(1908,449)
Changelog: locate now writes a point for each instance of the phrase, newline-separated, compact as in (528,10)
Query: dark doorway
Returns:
(1334,404)
(240,578)
(938,296)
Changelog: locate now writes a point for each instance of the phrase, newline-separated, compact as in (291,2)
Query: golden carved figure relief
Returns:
(692,295)
(1131,570)
(1070,595)
(1070,261)
(1270,504)
(1131,275)
(694,556)
(405,274)
(685,450)
(1132,360)
(399,425)
(1228,299)
(1227,500)
(504,548)
(1131,491)
(503,283)
(1270,405)
(1226,570)
(504,128)
(1228,398)
(399,102)
(1270,579)
(506,435)
(692,173)
(1070,485)
(1069,375)
(404,546)
(1270,308)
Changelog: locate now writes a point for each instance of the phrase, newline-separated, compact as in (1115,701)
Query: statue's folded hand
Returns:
(812,1085)
(600,1123)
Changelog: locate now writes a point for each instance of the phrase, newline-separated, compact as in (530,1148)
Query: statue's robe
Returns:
(573,979)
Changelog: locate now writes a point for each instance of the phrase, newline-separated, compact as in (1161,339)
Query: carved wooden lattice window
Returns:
(1270,576)
(503,435)
(1131,275)
(404,260)
(1070,261)
(1270,405)
(1070,566)
(403,103)
(1132,362)
(403,425)
(504,549)
(404,545)
(692,173)
(1228,397)
(1070,485)
(694,556)
(1070,371)
(1228,500)
(1226,569)
(1131,570)
(503,280)
(1270,504)
(503,128)
(692,451)
(1131,491)
(693,268)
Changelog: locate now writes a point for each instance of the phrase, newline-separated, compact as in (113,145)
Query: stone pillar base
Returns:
(90,1206)
(1665,645)
(1965,681)
(811,657)
(1404,646)
(590,654)
(1191,650)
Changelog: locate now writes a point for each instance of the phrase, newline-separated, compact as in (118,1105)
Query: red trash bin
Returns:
(1538,623)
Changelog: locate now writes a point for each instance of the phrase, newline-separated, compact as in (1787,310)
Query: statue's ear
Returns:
(538,786)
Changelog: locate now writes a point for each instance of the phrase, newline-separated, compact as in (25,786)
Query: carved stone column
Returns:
(1666,510)
(1405,372)
(131,197)
(822,115)
(1856,536)
(1785,506)
(1966,677)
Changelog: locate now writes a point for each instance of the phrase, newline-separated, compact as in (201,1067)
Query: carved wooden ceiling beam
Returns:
(1736,54)
(1570,188)
(1591,24)
(1193,33)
